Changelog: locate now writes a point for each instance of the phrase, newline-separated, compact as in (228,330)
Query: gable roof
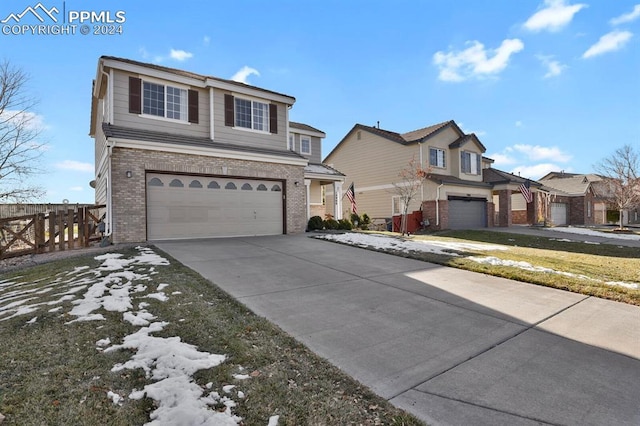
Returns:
(496,176)
(307,129)
(414,136)
(574,185)
(464,139)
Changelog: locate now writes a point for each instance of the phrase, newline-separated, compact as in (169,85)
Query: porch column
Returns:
(504,209)
(337,200)
(307,183)
(532,209)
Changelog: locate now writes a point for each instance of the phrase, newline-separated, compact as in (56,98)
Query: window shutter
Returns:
(478,166)
(273,118)
(193,106)
(433,157)
(228,110)
(135,95)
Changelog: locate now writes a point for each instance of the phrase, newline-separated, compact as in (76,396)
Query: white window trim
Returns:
(164,84)
(252,99)
(309,139)
(472,164)
(291,142)
(444,157)
(396,200)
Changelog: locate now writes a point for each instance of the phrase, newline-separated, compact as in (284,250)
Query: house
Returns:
(455,194)
(511,207)
(578,199)
(184,155)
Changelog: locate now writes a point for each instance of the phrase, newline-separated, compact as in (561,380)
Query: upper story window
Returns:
(305,145)
(244,113)
(470,163)
(162,100)
(252,114)
(437,158)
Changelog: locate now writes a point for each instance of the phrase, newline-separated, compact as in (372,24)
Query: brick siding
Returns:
(129,194)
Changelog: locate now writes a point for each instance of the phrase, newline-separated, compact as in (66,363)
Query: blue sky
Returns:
(545,84)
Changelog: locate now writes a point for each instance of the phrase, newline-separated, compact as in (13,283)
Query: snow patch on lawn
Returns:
(594,233)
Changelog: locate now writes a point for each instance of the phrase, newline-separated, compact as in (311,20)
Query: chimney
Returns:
(378,124)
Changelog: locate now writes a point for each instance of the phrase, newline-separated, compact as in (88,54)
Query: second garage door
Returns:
(559,213)
(467,213)
(180,206)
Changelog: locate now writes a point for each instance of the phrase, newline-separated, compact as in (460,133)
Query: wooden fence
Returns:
(24,209)
(47,232)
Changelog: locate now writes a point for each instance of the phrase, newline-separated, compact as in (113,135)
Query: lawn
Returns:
(130,337)
(601,270)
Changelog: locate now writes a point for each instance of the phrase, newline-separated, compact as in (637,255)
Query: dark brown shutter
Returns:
(135,95)
(273,118)
(228,111)
(193,106)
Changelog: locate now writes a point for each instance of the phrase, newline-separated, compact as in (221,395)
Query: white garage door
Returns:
(180,206)
(559,213)
(467,213)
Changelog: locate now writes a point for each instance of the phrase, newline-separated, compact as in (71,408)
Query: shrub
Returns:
(365,222)
(331,224)
(315,223)
(344,224)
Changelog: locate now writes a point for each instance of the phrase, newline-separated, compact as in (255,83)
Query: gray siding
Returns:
(122,117)
(316,147)
(233,136)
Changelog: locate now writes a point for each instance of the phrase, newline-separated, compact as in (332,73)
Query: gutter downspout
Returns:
(422,182)
(109,218)
(438,204)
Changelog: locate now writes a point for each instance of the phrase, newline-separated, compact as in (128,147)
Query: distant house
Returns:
(582,199)
(185,155)
(458,193)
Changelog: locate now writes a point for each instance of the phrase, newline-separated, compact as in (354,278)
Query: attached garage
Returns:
(467,212)
(182,206)
(559,213)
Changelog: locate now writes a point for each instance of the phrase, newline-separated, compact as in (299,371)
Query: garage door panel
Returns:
(210,207)
(467,213)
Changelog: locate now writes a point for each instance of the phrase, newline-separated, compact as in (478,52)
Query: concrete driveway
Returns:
(450,346)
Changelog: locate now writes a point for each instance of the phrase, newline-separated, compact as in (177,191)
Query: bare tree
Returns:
(411,180)
(19,137)
(621,173)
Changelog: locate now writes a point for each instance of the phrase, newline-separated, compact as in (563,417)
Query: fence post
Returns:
(38,226)
(61,231)
(82,242)
(70,228)
(52,231)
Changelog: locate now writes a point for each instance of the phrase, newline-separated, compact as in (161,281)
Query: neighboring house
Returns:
(455,194)
(184,155)
(511,208)
(578,199)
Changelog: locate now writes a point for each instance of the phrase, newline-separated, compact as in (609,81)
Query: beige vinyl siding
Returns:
(316,147)
(315,193)
(441,141)
(234,136)
(122,116)
(431,190)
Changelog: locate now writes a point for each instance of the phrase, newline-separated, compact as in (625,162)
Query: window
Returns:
(176,183)
(292,139)
(155,182)
(470,162)
(589,208)
(164,101)
(246,187)
(230,185)
(251,114)
(195,184)
(436,158)
(262,187)
(213,185)
(305,145)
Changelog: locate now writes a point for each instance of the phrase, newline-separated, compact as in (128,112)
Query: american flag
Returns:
(351,195)
(525,188)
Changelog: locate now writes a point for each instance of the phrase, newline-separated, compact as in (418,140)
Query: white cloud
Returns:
(75,165)
(475,61)
(615,40)
(536,171)
(554,68)
(242,75)
(180,55)
(76,188)
(502,159)
(537,152)
(555,16)
(206,40)
(518,123)
(627,17)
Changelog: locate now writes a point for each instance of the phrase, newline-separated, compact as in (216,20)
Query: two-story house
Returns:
(184,155)
(455,194)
